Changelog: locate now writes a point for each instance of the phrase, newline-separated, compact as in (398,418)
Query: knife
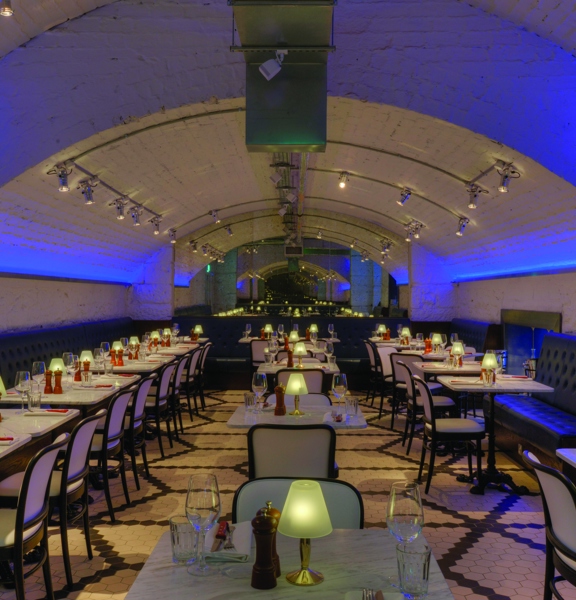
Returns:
(220,536)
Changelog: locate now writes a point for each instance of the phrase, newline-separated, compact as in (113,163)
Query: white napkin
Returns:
(45,413)
(242,540)
(8,442)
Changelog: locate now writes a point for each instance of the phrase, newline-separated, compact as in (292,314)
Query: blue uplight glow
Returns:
(181,280)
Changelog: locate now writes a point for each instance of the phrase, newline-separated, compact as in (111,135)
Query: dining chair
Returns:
(201,374)
(175,404)
(559,503)
(314,378)
(343,500)
(291,451)
(257,348)
(25,528)
(415,403)
(108,445)
(382,357)
(446,430)
(134,425)
(305,400)
(192,379)
(374,379)
(157,406)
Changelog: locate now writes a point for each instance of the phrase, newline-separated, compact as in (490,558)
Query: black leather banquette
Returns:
(546,420)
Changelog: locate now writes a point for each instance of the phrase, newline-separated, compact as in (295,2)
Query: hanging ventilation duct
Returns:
(286,46)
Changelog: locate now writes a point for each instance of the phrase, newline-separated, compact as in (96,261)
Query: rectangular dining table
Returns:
(272,369)
(349,559)
(505,384)
(313,415)
(154,362)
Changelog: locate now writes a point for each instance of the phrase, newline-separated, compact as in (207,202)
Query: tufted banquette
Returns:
(546,421)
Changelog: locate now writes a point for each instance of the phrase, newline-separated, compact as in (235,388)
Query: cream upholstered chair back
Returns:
(370,351)
(343,501)
(314,378)
(193,365)
(426,397)
(257,348)
(305,400)
(79,445)
(114,428)
(291,451)
(384,354)
(165,379)
(180,367)
(141,393)
(404,375)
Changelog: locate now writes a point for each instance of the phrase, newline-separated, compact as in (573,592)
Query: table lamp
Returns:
(86,355)
(305,516)
(268,331)
(381,330)
(57,364)
(457,351)
(490,364)
(294,338)
(117,346)
(198,329)
(134,340)
(2,387)
(154,335)
(313,328)
(296,385)
(300,351)
(405,336)
(436,341)
(167,331)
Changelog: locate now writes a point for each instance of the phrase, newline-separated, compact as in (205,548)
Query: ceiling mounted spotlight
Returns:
(272,67)
(204,250)
(506,172)
(135,213)
(283,210)
(409,233)
(413,230)
(343,179)
(386,245)
(382,261)
(461,225)
(404,196)
(276,177)
(87,186)
(319,235)
(172,235)
(473,192)
(194,247)
(62,172)
(353,243)
(214,215)
(155,221)
(229,231)
(119,204)
(6,8)
(291,197)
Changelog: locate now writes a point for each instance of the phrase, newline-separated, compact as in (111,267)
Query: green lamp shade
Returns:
(405,332)
(154,335)
(313,328)
(489,361)
(2,387)
(57,364)
(167,331)
(381,329)
(305,514)
(118,346)
(87,355)
(294,337)
(300,349)
(457,349)
(436,339)
(198,329)
(134,340)
(296,385)
(268,329)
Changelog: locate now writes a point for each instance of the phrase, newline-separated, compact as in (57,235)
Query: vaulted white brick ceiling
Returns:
(424,95)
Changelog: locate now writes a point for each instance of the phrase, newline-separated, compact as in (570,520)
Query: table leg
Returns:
(491,475)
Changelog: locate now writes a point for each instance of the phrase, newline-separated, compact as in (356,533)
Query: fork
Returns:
(229,544)
(368,594)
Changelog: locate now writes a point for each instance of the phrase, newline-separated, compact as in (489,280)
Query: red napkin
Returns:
(104,386)
(124,375)
(58,410)
(6,439)
(11,393)
(154,361)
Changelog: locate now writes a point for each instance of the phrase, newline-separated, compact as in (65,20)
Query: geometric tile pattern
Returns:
(489,546)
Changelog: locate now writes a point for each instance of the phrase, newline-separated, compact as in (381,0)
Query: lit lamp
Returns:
(436,342)
(381,330)
(87,355)
(405,336)
(167,331)
(305,516)
(2,387)
(300,351)
(296,385)
(294,338)
(155,335)
(458,352)
(118,345)
(268,331)
(57,364)
(489,366)
(313,328)
(197,332)
(134,340)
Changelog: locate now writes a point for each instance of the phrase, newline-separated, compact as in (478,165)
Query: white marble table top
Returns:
(313,415)
(202,340)
(20,425)
(274,368)
(349,559)
(468,368)
(153,362)
(19,441)
(504,385)
(568,455)
(176,350)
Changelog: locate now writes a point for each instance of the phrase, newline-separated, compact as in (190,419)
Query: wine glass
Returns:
(444,341)
(259,386)
(202,509)
(329,349)
(281,330)
(399,331)
(273,348)
(68,359)
(331,330)
(404,514)
(98,359)
(106,347)
(22,386)
(124,342)
(295,327)
(248,329)
(38,371)
(453,338)
(175,329)
(339,387)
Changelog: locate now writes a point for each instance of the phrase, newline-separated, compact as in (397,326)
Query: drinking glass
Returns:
(329,349)
(98,359)
(34,396)
(331,330)
(175,329)
(273,348)
(413,570)
(183,537)
(399,331)
(339,387)
(124,342)
(106,348)
(453,338)
(281,330)
(404,514)
(248,329)
(314,338)
(295,327)
(22,386)
(202,509)
(69,365)
(259,386)
(38,371)
(444,341)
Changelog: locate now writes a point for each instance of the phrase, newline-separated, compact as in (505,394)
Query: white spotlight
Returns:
(474,193)
(172,235)
(343,179)
(353,243)
(283,210)
(155,221)
(272,67)
(461,225)
(120,203)
(404,196)
(214,214)
(87,188)
(6,8)
(275,177)
(135,213)
(504,181)
(194,247)
(62,173)
(229,231)
(319,235)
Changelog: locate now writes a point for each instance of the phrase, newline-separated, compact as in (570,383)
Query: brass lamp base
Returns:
(299,365)
(305,577)
(297,410)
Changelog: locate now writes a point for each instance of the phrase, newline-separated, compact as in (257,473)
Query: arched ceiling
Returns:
(147,97)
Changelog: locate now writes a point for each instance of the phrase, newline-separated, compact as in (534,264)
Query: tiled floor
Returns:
(489,546)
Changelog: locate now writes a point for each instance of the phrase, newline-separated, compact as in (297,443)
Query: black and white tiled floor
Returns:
(489,546)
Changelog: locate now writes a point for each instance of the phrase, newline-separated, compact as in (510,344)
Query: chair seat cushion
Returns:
(457,426)
(97,443)
(8,527)
(547,427)
(137,423)
(10,487)
(433,386)
(401,386)
(439,402)
(151,403)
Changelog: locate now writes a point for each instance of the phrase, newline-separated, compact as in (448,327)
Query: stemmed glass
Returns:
(444,341)
(68,359)
(453,338)
(98,359)
(281,331)
(22,386)
(339,387)
(175,329)
(248,330)
(331,330)
(106,348)
(202,509)
(399,331)
(38,372)
(124,342)
(329,350)
(259,386)
(273,348)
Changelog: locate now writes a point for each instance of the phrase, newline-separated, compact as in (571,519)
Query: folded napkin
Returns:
(104,385)
(48,412)
(513,376)
(466,382)
(242,539)
(11,393)
(7,441)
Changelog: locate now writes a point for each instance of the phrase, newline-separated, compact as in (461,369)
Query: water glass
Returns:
(332,363)
(334,335)
(413,570)
(351,406)
(268,357)
(183,537)
(86,378)
(34,396)
(249,401)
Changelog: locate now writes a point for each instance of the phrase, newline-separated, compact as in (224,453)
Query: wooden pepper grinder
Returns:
(77,376)
(280,409)
(137,353)
(264,570)
(119,361)
(286,346)
(307,334)
(262,334)
(58,382)
(290,362)
(273,512)
(48,384)
(113,357)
